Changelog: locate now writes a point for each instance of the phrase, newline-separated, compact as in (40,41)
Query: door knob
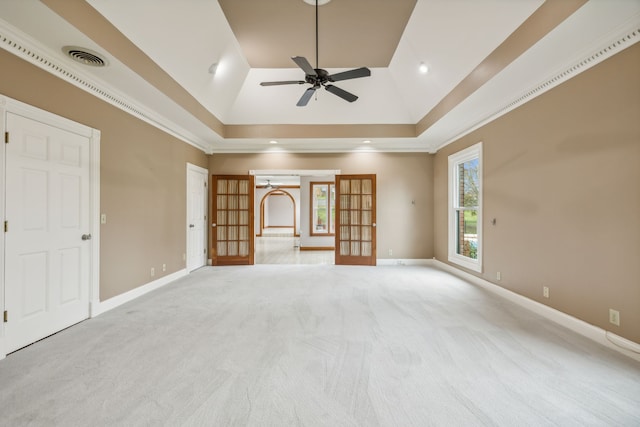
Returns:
(214,224)
(374,224)
(191,225)
(86,237)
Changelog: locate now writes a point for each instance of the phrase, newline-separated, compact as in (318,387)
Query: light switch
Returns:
(103,218)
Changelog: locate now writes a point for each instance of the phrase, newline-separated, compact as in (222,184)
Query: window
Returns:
(323,213)
(465,208)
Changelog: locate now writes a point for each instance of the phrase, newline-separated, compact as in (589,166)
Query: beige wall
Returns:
(142,178)
(562,179)
(404,227)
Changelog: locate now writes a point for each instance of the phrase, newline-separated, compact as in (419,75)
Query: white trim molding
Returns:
(20,108)
(404,261)
(99,307)
(205,228)
(599,335)
(23,46)
(94,215)
(627,35)
(455,159)
(3,110)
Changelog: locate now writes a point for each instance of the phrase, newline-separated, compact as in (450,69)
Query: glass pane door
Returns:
(356,219)
(232,242)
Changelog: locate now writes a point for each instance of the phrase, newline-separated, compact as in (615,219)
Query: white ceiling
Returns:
(452,36)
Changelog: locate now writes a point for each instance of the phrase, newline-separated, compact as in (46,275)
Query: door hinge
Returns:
(6,316)
(6,137)
(6,226)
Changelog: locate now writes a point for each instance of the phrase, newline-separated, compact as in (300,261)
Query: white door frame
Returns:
(16,107)
(195,168)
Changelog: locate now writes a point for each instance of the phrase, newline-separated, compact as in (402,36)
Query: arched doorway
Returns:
(263,214)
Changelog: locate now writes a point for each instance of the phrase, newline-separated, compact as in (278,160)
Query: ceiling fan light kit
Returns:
(318,77)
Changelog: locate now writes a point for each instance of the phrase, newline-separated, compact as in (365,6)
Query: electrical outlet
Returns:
(614,317)
(498,276)
(545,292)
(153,271)
(164,267)
(390,252)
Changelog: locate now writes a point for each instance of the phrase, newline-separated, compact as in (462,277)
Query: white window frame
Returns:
(470,153)
(331,205)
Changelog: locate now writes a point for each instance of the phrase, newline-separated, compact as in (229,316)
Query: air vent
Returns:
(85,56)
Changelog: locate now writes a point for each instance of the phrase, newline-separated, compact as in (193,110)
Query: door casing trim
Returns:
(195,168)
(10,105)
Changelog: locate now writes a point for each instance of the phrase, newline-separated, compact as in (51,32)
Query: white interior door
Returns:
(196,217)
(47,248)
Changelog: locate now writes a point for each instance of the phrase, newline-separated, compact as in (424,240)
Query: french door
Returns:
(356,220)
(232,216)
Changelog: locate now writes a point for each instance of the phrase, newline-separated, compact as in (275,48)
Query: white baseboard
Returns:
(398,261)
(599,335)
(99,307)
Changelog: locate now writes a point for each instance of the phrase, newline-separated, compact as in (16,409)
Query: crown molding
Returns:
(616,41)
(25,47)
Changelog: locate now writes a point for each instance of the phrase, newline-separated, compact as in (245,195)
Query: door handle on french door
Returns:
(191,225)
(86,237)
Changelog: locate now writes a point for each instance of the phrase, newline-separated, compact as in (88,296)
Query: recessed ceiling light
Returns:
(273,142)
(366,142)
(313,2)
(423,68)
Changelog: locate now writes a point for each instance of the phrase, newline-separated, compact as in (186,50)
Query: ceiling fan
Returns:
(317,77)
(270,186)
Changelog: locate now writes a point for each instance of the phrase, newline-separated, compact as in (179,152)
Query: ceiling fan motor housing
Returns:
(321,77)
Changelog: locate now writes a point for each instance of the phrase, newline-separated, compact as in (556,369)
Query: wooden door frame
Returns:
(357,260)
(9,105)
(213,217)
(264,199)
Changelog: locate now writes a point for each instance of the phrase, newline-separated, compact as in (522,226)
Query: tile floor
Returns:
(284,248)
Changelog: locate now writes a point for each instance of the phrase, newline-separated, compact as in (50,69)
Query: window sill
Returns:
(468,263)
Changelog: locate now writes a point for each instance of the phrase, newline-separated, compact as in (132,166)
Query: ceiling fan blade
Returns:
(302,62)
(284,82)
(351,74)
(341,93)
(306,96)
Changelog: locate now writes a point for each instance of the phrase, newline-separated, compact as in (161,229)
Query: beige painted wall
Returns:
(562,179)
(404,227)
(142,182)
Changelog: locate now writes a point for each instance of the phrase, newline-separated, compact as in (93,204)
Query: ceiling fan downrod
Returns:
(319,78)
(317,62)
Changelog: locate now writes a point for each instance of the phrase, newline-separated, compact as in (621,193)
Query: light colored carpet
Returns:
(319,346)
